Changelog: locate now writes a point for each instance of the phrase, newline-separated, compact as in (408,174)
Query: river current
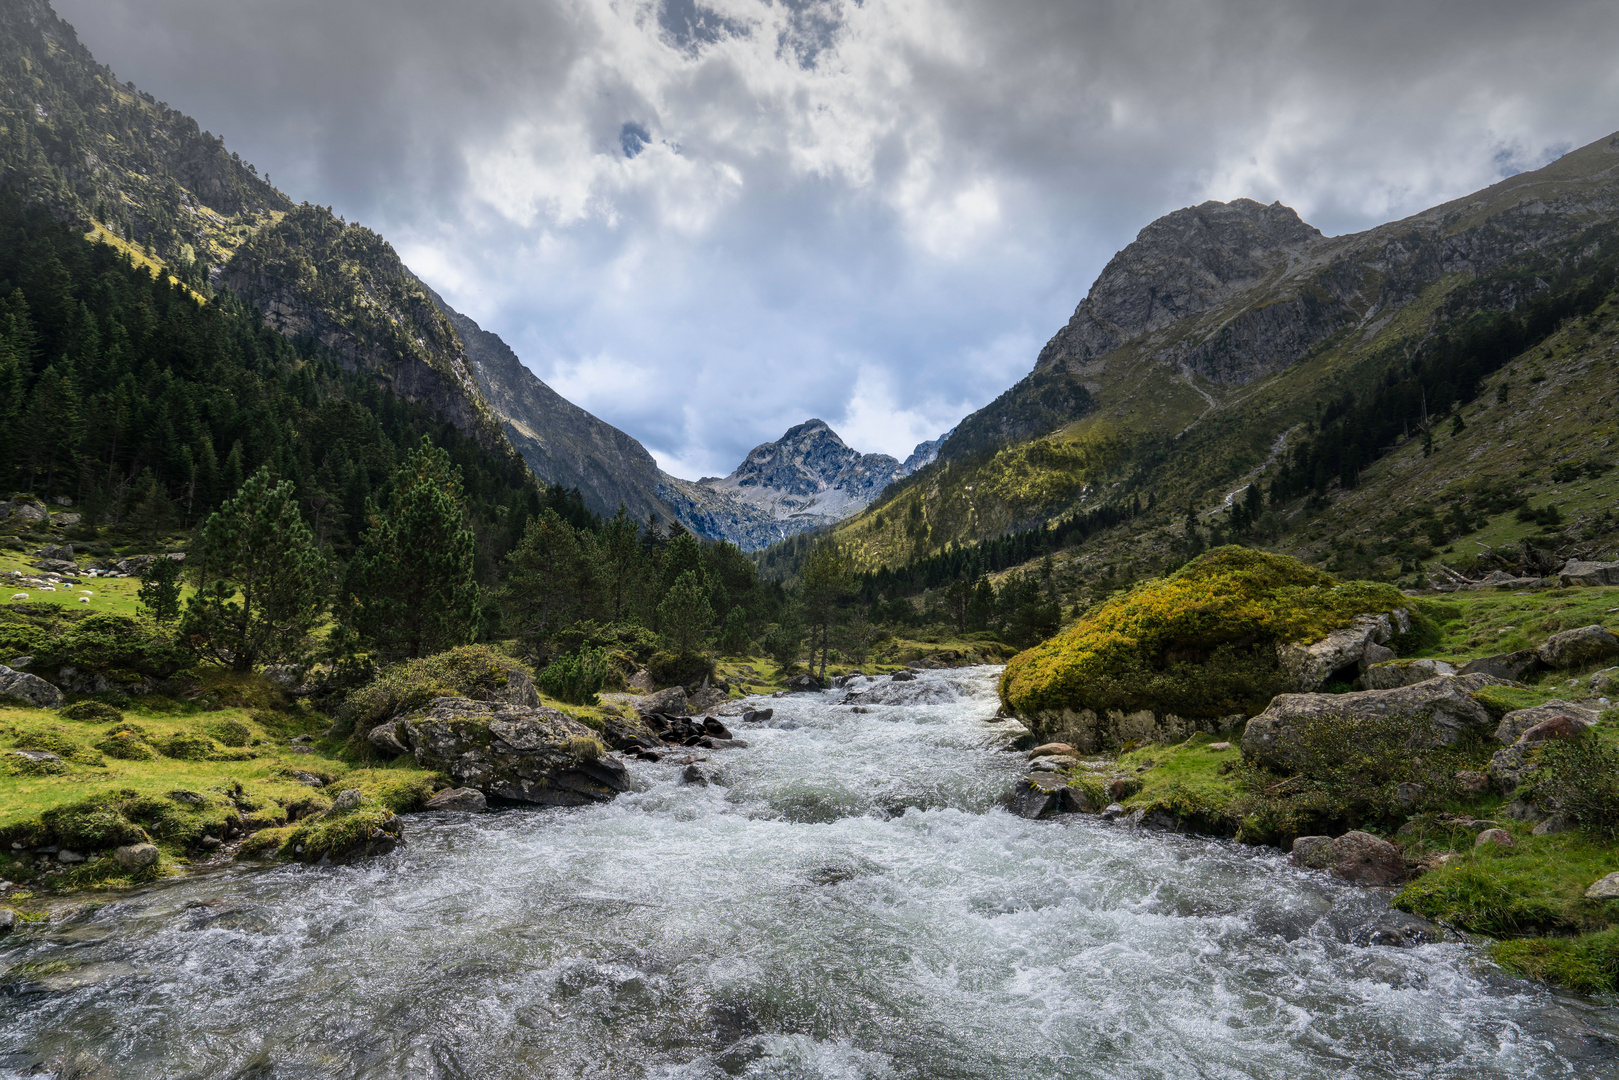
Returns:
(849,899)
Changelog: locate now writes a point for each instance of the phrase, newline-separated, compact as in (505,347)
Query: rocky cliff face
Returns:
(1182,264)
(312,275)
(562,443)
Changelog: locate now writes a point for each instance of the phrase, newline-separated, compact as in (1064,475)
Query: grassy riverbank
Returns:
(1527,897)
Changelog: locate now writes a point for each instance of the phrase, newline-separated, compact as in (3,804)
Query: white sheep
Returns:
(19,596)
(84,599)
(47,588)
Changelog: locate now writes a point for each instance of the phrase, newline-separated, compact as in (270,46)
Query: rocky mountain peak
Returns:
(809,459)
(1181,264)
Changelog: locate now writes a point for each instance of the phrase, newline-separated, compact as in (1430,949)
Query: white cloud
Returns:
(874,211)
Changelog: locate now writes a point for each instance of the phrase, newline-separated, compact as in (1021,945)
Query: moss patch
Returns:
(1199,643)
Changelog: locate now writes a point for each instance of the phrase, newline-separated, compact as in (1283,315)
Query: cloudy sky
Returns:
(707,220)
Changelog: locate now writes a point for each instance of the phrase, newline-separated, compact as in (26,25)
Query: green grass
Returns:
(1538,887)
(1588,964)
(70,802)
(113,595)
(1474,624)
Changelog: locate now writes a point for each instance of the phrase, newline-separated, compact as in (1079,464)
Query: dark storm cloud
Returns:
(709,219)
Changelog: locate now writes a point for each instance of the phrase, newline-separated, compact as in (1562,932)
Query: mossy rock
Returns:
(1200,643)
(336,836)
(477,672)
(126,745)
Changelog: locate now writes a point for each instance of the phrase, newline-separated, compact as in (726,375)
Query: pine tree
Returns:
(54,426)
(685,615)
(413,575)
(545,573)
(261,582)
(159,594)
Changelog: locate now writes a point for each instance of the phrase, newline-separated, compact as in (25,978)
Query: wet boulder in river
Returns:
(522,753)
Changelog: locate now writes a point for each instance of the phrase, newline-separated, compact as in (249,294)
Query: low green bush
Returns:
(95,712)
(577,677)
(186,746)
(1580,776)
(103,642)
(472,671)
(680,669)
(232,733)
(126,745)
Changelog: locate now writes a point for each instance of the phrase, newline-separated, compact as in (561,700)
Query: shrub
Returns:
(1199,643)
(94,712)
(1580,776)
(186,746)
(471,671)
(102,642)
(229,732)
(670,669)
(577,677)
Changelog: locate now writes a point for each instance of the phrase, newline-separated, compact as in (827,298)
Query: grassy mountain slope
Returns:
(1190,410)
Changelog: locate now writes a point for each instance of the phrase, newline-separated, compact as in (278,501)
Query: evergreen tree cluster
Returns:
(1443,373)
(150,408)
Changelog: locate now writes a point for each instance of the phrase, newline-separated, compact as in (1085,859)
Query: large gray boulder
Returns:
(1515,723)
(1582,572)
(522,753)
(1397,673)
(1437,712)
(1511,667)
(1311,666)
(670,702)
(1573,648)
(29,689)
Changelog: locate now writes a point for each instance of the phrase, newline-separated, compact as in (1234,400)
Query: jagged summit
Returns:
(811,459)
(1181,264)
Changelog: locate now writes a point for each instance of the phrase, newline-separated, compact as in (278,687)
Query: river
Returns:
(848,900)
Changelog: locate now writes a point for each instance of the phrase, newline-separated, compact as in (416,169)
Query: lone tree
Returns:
(412,579)
(159,594)
(262,584)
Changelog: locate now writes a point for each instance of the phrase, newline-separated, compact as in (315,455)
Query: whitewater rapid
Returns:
(848,900)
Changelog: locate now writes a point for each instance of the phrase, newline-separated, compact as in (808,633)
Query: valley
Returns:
(1233,694)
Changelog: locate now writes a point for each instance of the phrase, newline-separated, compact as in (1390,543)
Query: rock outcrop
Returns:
(30,689)
(1342,653)
(521,753)
(1584,572)
(1438,712)
(1574,648)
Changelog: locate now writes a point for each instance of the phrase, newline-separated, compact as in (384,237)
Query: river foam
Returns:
(849,900)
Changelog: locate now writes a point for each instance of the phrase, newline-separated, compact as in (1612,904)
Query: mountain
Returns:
(561,442)
(807,479)
(1233,344)
(120,165)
